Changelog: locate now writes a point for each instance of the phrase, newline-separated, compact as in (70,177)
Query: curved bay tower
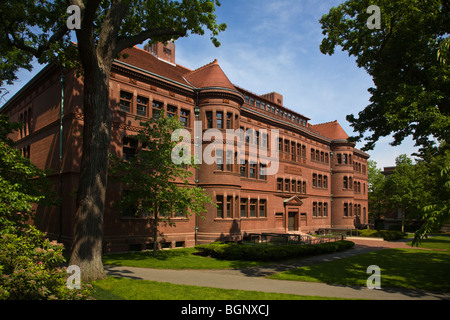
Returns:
(312,178)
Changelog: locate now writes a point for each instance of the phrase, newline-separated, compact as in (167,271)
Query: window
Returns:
(264,140)
(243,209)
(219,159)
(253,203)
(229,164)
(319,181)
(184,118)
(345,209)
(304,187)
(299,187)
(220,207)
(325,182)
(219,116)
(243,169)
(172,111)
(314,209)
(314,180)
(293,186)
(325,209)
(286,146)
(158,109)
(252,171)
(287,185)
(263,206)
(209,119)
(345,182)
(339,158)
(125,101)
(129,148)
(229,212)
(319,211)
(142,106)
(262,171)
(229,121)
(313,154)
(280,184)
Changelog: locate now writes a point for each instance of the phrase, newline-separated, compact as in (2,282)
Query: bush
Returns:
(390,235)
(259,252)
(30,269)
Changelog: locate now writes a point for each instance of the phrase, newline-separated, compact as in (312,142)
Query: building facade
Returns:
(320,181)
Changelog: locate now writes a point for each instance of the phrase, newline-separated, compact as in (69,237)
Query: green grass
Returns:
(440,241)
(176,259)
(130,289)
(405,268)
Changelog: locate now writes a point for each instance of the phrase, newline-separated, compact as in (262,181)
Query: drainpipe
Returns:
(61,136)
(196,138)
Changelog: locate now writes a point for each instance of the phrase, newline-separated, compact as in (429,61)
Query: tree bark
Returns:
(88,233)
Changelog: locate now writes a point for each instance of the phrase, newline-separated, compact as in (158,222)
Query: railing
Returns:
(286,238)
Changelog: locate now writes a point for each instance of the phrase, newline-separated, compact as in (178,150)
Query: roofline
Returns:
(29,84)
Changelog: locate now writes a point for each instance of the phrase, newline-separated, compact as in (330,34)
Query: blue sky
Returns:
(274,46)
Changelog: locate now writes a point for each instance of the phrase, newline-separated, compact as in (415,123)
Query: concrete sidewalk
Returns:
(252,279)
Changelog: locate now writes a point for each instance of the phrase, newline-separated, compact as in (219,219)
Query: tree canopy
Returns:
(411,96)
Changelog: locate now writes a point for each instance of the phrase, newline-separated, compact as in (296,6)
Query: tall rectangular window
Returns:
(172,111)
(209,119)
(220,207)
(229,212)
(243,209)
(142,106)
(219,159)
(126,99)
(158,109)
(129,148)
(229,121)
(262,208)
(184,118)
(229,164)
(252,171)
(252,212)
(219,116)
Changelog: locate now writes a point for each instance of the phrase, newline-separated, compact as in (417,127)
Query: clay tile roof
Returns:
(331,130)
(210,75)
(147,61)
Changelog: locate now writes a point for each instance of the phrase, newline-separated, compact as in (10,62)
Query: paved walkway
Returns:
(252,279)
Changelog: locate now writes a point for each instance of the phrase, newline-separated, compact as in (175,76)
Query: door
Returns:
(293,221)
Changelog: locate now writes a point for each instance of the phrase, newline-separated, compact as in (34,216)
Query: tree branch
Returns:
(124,43)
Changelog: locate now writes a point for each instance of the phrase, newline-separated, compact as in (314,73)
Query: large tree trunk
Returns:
(88,233)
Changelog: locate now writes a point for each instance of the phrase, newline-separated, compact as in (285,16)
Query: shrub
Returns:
(390,235)
(30,269)
(251,252)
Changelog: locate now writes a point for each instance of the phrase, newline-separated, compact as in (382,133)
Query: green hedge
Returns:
(259,252)
(390,235)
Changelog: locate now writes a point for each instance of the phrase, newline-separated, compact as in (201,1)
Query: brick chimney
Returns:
(163,52)
(275,97)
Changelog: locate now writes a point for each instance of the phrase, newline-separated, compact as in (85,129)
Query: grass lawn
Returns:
(176,259)
(405,268)
(439,241)
(129,289)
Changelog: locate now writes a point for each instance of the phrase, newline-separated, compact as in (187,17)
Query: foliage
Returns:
(155,186)
(412,88)
(376,190)
(30,268)
(234,251)
(388,235)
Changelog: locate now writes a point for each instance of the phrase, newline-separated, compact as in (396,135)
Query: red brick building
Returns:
(321,182)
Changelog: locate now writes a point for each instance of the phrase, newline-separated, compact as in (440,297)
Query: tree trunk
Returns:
(88,233)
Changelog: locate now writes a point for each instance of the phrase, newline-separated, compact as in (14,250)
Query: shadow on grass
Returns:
(400,268)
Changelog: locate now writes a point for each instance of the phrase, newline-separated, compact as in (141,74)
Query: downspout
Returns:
(196,140)
(61,136)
